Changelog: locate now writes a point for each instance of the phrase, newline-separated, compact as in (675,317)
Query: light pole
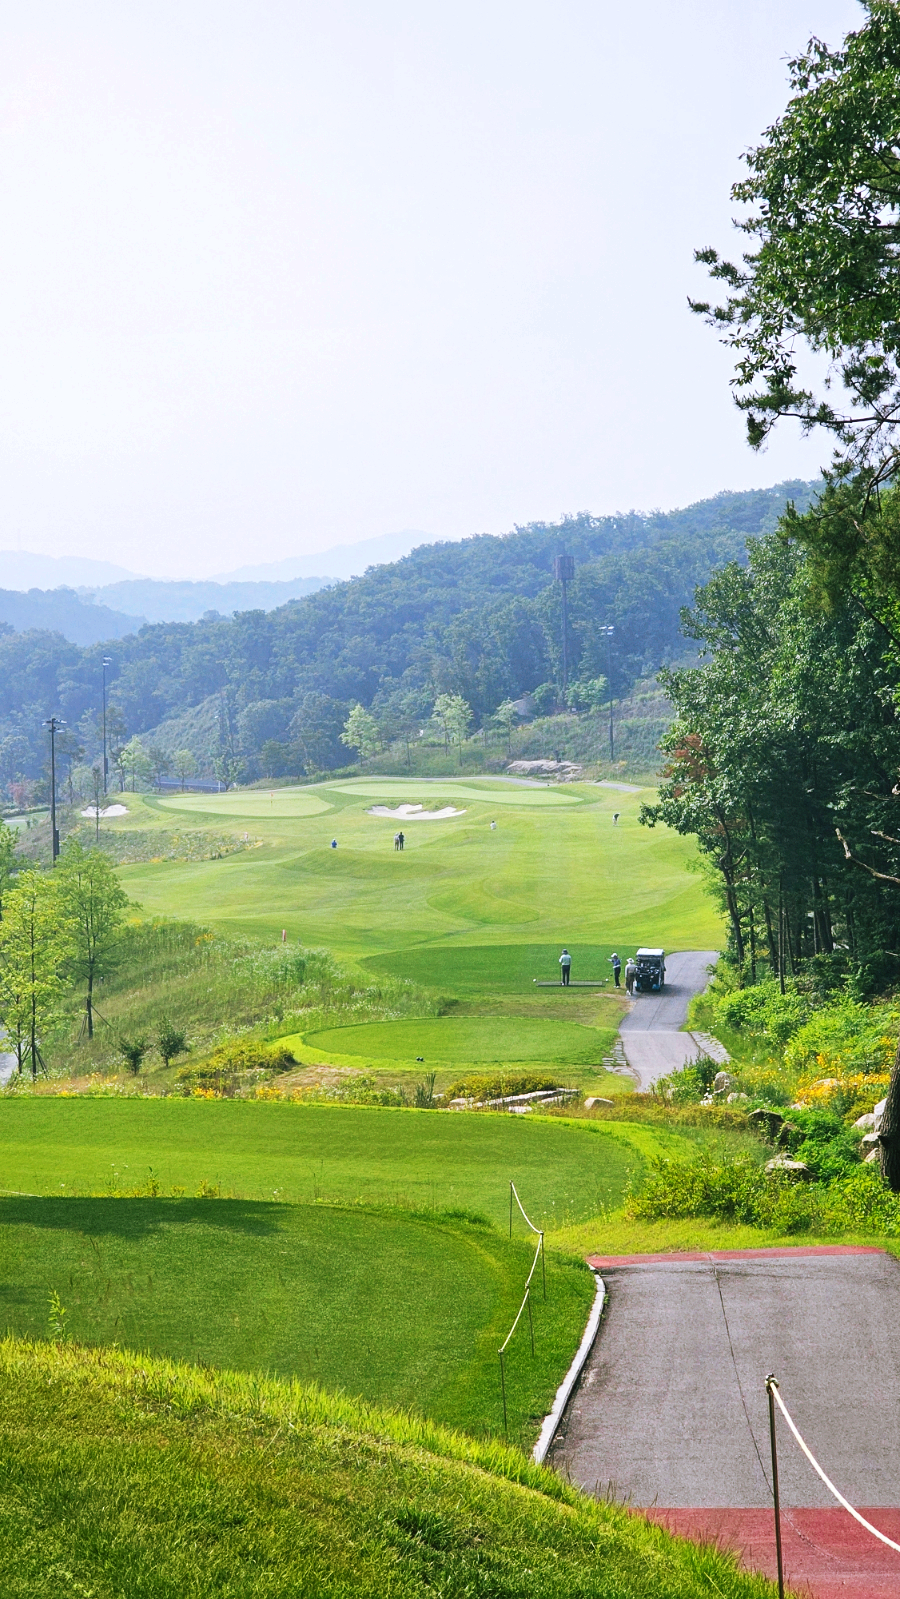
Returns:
(105,663)
(609,631)
(564,571)
(54,723)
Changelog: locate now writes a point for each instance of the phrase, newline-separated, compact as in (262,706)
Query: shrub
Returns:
(479,1086)
(737,1190)
(133,1051)
(170,1041)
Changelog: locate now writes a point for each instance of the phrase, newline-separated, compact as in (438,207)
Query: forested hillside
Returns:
(268,694)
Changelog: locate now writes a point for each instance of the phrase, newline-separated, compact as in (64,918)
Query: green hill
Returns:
(130,1478)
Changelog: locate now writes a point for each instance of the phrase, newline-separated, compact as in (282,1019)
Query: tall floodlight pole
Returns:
(609,631)
(105,663)
(54,723)
(564,571)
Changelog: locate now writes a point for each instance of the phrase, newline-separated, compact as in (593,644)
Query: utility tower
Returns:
(564,571)
(55,724)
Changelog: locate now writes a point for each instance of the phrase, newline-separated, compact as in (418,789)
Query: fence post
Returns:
(543,1266)
(503,1392)
(510,1208)
(530,1321)
(770,1385)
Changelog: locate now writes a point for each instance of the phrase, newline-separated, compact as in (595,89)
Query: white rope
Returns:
(537,1256)
(827,1481)
(521,1207)
(515,1323)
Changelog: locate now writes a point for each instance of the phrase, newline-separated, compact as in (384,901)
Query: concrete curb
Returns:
(564,1391)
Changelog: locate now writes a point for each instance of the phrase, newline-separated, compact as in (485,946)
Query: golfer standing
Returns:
(565,966)
(616,965)
(630,974)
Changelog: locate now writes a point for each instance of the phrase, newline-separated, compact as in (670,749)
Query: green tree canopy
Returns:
(823,192)
(361,732)
(92,901)
(34,948)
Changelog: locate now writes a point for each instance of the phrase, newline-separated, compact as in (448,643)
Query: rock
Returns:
(874,1154)
(791,1168)
(866,1121)
(871,1140)
(722,1082)
(734,1098)
(878,1112)
(595,1100)
(769,1122)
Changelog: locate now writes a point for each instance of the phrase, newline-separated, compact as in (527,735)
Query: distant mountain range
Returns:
(89,601)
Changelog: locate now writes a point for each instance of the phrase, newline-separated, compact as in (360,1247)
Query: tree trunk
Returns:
(89,1007)
(889,1131)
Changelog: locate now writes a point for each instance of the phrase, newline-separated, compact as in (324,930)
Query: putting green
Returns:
(467,1040)
(414,792)
(249,802)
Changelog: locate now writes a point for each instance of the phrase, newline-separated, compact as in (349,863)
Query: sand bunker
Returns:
(414,813)
(109,810)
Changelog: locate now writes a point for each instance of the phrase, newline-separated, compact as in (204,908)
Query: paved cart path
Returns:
(650,1034)
(671,1411)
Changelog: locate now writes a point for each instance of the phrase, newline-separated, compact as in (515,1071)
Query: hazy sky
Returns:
(283,274)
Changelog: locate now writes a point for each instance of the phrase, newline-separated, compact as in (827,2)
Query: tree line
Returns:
(269,694)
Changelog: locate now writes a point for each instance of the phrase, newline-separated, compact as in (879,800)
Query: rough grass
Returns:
(129,1478)
(211,987)
(399,1309)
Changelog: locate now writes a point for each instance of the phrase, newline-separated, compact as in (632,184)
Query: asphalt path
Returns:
(671,1410)
(654,1045)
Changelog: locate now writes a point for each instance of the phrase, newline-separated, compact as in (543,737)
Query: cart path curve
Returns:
(653,1043)
(671,1413)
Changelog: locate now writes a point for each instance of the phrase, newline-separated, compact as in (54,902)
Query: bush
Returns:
(170,1041)
(479,1086)
(739,1191)
(133,1051)
(222,1071)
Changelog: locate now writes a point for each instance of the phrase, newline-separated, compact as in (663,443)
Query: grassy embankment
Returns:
(131,1479)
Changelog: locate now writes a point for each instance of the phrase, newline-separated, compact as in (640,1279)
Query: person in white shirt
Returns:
(565,965)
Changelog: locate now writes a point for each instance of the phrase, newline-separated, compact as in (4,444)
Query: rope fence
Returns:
(774,1398)
(526,1302)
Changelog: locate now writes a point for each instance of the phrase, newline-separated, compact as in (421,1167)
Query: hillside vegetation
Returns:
(479,619)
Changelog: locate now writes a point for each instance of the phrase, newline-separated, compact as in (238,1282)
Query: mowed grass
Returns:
(467,971)
(468,1040)
(554,871)
(398,1309)
(435,1160)
(129,1478)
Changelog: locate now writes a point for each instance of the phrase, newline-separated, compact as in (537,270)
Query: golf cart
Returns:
(651,971)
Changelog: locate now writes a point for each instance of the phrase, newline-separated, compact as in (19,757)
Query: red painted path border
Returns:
(674,1256)
(826,1555)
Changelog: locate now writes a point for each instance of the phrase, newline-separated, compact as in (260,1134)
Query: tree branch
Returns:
(883,877)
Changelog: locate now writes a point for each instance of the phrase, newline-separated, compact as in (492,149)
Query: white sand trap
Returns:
(414,813)
(110,810)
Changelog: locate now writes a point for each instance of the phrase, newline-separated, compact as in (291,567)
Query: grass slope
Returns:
(565,1172)
(129,1478)
(398,1309)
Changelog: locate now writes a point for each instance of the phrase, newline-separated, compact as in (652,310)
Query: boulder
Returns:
(769,1122)
(866,1122)
(788,1131)
(878,1112)
(722,1082)
(733,1099)
(870,1140)
(791,1168)
(874,1154)
(595,1100)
